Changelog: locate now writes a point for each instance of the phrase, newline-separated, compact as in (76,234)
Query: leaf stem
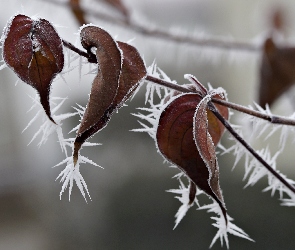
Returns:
(91,57)
(248,147)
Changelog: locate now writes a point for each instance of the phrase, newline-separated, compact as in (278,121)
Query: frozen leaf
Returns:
(120,70)
(105,84)
(33,50)
(206,137)
(47,128)
(277,73)
(175,139)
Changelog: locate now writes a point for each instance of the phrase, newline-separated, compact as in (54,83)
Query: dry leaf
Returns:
(120,70)
(177,136)
(33,49)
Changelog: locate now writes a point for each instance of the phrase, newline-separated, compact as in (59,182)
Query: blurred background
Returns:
(130,208)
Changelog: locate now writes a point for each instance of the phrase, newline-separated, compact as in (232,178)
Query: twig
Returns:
(275,119)
(248,147)
(91,57)
(270,118)
(225,44)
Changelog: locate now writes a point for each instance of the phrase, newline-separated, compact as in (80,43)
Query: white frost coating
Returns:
(5,32)
(37,46)
(223,229)
(254,171)
(48,127)
(72,174)
(184,199)
(205,101)
(53,26)
(154,71)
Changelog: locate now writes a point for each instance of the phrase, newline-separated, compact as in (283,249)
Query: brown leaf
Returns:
(105,85)
(175,138)
(113,84)
(206,145)
(277,72)
(33,50)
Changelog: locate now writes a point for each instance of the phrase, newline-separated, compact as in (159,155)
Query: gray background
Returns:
(130,208)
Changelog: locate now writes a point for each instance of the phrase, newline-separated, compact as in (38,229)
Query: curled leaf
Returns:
(104,86)
(120,70)
(206,145)
(33,50)
(176,138)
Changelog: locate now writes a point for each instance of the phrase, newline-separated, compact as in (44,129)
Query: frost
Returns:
(72,173)
(151,88)
(3,66)
(254,170)
(184,199)
(48,127)
(223,229)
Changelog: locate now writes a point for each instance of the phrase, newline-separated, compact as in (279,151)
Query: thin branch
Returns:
(167,84)
(210,42)
(248,147)
(270,118)
(91,57)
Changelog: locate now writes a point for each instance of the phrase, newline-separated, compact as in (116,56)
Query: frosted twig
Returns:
(211,42)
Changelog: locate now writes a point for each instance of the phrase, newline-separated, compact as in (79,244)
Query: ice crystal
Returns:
(71,174)
(223,228)
(254,170)
(151,88)
(48,127)
(184,199)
